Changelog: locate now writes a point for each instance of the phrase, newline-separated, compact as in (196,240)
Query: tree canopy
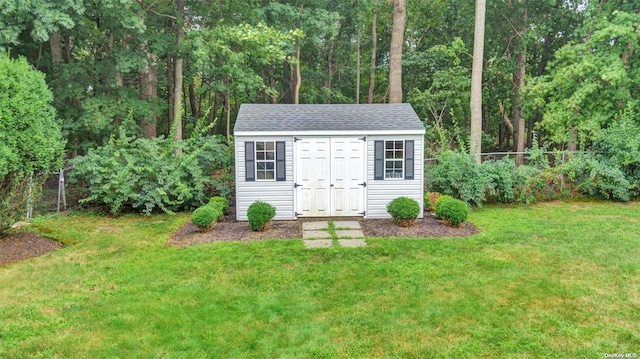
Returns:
(557,70)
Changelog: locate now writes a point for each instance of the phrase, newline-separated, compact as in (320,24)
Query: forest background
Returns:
(558,68)
(135,83)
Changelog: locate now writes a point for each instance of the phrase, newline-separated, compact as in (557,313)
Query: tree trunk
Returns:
(518,83)
(327,83)
(227,109)
(193,101)
(397,41)
(476,80)
(374,50)
(149,91)
(298,80)
(214,116)
(272,84)
(358,65)
(573,139)
(177,96)
(56,51)
(168,25)
(67,48)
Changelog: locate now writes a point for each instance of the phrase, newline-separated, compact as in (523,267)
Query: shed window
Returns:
(393,159)
(265,160)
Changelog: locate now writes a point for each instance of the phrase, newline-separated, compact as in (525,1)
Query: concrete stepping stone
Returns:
(314,226)
(315,235)
(318,243)
(352,243)
(350,233)
(347,224)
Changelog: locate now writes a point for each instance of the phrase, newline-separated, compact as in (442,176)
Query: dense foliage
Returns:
(457,174)
(611,170)
(403,210)
(146,175)
(452,211)
(259,214)
(31,142)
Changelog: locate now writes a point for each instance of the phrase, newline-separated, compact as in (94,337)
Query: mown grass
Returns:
(550,280)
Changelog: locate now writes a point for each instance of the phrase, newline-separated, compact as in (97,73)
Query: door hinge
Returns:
(363,138)
(364,213)
(296,139)
(295,185)
(363,184)
(298,214)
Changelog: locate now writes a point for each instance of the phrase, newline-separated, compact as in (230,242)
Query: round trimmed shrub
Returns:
(439,200)
(206,216)
(452,210)
(259,214)
(404,211)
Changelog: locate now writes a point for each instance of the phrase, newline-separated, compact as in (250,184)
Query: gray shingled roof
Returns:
(333,117)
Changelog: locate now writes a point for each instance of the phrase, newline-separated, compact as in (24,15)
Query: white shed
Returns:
(328,160)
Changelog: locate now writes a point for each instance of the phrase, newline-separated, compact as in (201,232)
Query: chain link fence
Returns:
(554,157)
(56,195)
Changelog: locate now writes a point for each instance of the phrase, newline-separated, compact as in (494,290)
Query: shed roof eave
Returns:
(329,133)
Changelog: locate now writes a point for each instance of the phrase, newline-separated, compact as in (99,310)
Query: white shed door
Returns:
(330,176)
(347,176)
(313,179)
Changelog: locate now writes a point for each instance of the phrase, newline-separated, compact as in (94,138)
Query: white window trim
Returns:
(386,160)
(255,150)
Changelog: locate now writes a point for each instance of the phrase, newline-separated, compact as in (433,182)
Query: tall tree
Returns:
(374,50)
(518,83)
(177,97)
(476,80)
(397,43)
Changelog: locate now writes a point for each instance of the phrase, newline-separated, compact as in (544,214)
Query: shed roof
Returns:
(286,118)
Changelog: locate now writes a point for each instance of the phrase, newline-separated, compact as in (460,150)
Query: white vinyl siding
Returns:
(381,192)
(277,193)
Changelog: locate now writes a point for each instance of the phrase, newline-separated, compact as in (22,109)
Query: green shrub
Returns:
(259,214)
(206,215)
(403,210)
(31,142)
(502,180)
(452,211)
(613,170)
(426,202)
(144,175)
(222,202)
(433,197)
(439,200)
(458,175)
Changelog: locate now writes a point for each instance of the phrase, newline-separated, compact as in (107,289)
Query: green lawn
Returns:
(550,280)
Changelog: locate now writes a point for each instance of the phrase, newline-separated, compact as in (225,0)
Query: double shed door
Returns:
(330,175)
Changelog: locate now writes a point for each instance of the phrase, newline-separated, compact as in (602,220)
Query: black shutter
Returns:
(378,160)
(408,160)
(281,173)
(249,161)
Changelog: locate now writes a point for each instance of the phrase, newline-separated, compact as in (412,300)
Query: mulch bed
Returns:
(230,230)
(24,245)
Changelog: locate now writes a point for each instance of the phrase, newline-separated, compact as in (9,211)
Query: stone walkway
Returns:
(323,234)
